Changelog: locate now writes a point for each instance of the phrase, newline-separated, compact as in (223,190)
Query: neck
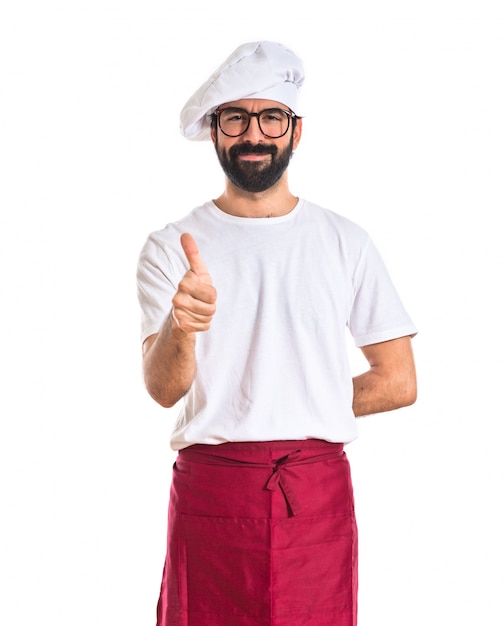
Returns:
(273,202)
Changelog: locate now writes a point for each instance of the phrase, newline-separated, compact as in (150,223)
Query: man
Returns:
(245,305)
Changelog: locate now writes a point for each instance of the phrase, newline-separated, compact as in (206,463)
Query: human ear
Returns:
(296,137)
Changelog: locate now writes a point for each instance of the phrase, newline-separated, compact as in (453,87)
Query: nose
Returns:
(253,133)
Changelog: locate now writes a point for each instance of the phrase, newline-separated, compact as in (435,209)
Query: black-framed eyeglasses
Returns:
(273,123)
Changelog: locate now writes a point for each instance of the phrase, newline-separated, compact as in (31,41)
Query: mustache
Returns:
(248,148)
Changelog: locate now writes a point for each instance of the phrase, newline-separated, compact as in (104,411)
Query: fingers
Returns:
(193,304)
(188,319)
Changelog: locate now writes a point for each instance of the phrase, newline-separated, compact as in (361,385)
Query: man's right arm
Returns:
(169,359)
(169,363)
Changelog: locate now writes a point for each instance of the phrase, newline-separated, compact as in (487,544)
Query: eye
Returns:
(273,115)
(233,115)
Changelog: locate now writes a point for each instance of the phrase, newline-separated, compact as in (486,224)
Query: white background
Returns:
(403,133)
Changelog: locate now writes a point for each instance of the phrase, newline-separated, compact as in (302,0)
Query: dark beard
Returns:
(253,176)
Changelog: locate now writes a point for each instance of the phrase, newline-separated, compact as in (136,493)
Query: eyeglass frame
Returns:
(290,115)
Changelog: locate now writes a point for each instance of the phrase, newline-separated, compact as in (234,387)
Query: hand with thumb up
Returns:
(194,302)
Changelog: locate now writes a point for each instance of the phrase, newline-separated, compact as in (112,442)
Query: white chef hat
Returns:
(260,69)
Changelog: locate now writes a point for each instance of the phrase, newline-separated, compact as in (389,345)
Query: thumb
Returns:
(193,257)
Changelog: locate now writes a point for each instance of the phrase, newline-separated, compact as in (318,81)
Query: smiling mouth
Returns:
(254,151)
(253,156)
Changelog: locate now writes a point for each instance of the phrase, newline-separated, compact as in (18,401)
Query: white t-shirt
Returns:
(273,365)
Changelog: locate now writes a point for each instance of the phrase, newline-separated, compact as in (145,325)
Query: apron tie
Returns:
(278,478)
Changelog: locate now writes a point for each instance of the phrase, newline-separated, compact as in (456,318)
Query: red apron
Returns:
(261,534)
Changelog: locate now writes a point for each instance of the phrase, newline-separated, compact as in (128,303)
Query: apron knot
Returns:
(278,478)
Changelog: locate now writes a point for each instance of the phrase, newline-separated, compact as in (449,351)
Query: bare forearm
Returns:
(169,364)
(390,383)
(375,394)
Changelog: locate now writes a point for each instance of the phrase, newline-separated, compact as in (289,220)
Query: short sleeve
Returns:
(156,286)
(377,312)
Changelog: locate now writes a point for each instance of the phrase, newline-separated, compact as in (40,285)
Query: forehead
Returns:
(254,104)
